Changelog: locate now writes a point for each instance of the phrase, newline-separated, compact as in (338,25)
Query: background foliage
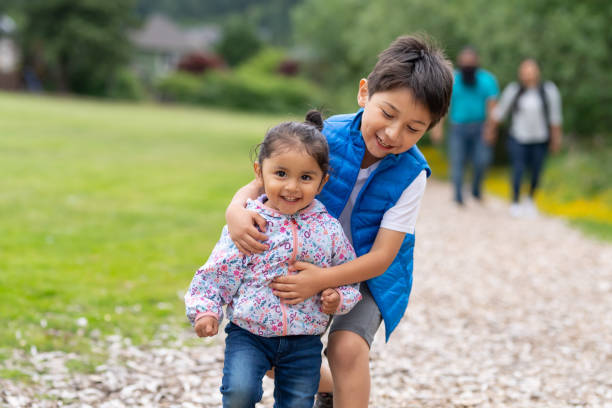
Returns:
(572,41)
(77,46)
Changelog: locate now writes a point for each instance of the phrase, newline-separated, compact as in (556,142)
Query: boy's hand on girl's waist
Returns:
(330,300)
(296,288)
(245,228)
(207,326)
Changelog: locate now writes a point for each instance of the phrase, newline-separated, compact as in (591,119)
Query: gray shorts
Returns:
(364,319)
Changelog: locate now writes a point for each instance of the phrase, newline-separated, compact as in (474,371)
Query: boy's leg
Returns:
(349,360)
(246,362)
(348,351)
(296,372)
(326,384)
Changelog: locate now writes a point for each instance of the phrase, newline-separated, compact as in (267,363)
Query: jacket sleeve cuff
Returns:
(204,314)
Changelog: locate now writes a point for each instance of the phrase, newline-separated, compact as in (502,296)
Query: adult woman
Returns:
(535,128)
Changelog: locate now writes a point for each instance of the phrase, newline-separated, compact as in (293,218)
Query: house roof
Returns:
(161,34)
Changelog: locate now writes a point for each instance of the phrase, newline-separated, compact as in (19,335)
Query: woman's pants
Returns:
(526,156)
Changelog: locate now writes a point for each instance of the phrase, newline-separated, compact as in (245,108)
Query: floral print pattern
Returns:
(241,282)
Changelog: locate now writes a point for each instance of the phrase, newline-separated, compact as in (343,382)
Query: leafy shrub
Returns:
(244,89)
(127,86)
(583,173)
(266,61)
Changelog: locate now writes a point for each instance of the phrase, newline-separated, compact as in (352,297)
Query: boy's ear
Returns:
(362,94)
(323,181)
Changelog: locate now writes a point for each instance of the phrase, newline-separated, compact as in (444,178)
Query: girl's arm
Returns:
(241,222)
(216,282)
(294,289)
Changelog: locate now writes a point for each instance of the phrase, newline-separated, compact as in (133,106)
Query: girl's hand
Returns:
(207,326)
(296,288)
(330,300)
(241,226)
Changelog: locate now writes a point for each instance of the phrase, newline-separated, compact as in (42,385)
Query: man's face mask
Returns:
(468,75)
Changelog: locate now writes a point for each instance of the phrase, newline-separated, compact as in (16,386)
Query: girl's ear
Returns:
(257,170)
(362,94)
(323,181)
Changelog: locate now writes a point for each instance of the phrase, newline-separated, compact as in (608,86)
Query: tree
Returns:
(239,42)
(77,46)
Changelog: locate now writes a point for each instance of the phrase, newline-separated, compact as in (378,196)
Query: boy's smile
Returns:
(392,122)
(291,180)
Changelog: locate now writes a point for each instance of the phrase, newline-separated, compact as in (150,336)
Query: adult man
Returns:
(475,92)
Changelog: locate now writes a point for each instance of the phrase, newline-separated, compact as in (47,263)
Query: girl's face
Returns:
(291,180)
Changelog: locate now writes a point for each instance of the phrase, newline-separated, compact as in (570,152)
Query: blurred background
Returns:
(125,129)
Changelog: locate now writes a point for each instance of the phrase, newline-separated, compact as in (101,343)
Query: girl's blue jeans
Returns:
(296,361)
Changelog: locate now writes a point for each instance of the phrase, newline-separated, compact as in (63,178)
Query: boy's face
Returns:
(392,122)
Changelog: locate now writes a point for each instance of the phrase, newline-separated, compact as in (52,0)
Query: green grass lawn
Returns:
(106,210)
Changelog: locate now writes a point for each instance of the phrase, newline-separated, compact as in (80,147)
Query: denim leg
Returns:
(246,362)
(539,151)
(457,151)
(482,159)
(297,372)
(517,157)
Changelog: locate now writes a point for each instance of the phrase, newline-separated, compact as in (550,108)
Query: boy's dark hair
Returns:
(414,62)
(302,135)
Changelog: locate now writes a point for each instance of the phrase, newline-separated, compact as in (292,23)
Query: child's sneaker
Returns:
(324,400)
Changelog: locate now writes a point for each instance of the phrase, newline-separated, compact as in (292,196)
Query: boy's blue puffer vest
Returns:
(380,192)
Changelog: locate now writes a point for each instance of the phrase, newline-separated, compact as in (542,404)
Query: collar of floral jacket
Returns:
(258,205)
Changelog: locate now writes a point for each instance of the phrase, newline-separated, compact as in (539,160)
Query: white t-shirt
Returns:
(529,123)
(401,217)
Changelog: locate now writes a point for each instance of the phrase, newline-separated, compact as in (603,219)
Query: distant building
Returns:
(10,57)
(161,45)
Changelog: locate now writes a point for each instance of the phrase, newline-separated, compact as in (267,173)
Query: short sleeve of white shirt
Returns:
(403,215)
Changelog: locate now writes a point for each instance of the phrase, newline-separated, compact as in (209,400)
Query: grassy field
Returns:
(106,210)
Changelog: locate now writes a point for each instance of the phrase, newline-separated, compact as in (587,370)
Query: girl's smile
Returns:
(291,180)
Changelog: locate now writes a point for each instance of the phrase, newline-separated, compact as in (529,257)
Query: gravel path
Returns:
(504,313)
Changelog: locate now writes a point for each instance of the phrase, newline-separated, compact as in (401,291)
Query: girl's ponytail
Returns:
(314,118)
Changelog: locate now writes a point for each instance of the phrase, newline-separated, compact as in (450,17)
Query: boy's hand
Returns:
(207,326)
(241,228)
(330,300)
(296,288)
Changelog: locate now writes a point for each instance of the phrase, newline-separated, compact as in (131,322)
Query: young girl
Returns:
(264,332)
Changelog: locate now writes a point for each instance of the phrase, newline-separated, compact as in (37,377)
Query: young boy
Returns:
(375,190)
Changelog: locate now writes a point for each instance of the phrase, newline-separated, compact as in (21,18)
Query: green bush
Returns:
(244,89)
(266,61)
(582,173)
(127,86)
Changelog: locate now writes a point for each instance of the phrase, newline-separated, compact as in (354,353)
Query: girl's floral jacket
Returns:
(241,281)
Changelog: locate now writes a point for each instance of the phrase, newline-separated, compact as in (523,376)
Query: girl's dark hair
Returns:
(297,135)
(415,63)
